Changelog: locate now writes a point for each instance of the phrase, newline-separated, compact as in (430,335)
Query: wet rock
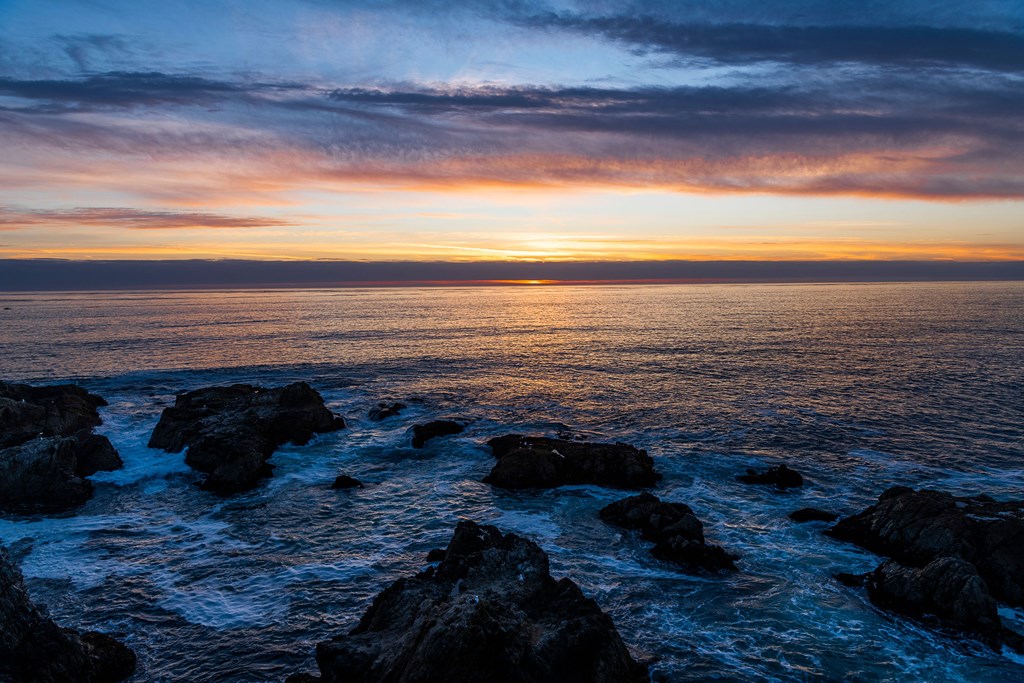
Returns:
(423,433)
(779,476)
(490,611)
(541,462)
(916,527)
(385,410)
(436,555)
(47,446)
(677,533)
(812,515)
(851,580)
(231,432)
(34,649)
(39,476)
(343,481)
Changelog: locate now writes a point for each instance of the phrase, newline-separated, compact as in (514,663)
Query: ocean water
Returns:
(860,387)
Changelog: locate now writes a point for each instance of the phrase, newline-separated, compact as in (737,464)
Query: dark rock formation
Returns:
(916,527)
(779,476)
(34,649)
(490,611)
(343,481)
(436,555)
(47,447)
(423,433)
(947,592)
(232,431)
(541,462)
(385,410)
(812,515)
(677,533)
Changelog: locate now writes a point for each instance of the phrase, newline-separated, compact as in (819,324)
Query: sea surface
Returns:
(860,387)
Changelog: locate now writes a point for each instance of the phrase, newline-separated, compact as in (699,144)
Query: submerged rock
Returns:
(423,433)
(812,515)
(385,410)
(34,649)
(490,611)
(232,431)
(779,476)
(343,481)
(47,447)
(677,533)
(916,527)
(542,462)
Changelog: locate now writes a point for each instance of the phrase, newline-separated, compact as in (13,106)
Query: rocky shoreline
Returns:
(489,610)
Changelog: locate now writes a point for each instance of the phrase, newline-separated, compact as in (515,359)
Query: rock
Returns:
(541,462)
(916,527)
(812,515)
(344,481)
(677,533)
(423,433)
(34,649)
(436,555)
(232,431)
(779,476)
(385,410)
(63,410)
(47,446)
(851,580)
(39,476)
(490,611)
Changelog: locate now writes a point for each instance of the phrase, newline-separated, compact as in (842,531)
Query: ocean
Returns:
(858,386)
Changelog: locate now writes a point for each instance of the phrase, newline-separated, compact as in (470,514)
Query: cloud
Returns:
(745,43)
(133,219)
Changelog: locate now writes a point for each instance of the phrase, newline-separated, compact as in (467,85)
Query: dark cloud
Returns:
(748,43)
(134,219)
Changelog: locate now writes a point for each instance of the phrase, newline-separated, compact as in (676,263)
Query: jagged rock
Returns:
(343,481)
(231,432)
(436,555)
(541,462)
(916,527)
(779,476)
(812,515)
(423,433)
(490,611)
(385,410)
(33,649)
(677,533)
(47,447)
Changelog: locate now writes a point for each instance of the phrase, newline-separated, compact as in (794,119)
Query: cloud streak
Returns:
(131,219)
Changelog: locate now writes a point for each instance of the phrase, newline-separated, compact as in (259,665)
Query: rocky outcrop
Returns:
(490,611)
(47,447)
(343,481)
(676,532)
(779,476)
(947,592)
(812,515)
(542,462)
(423,433)
(385,410)
(917,527)
(232,431)
(34,649)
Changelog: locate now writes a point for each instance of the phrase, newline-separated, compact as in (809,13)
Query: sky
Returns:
(512,130)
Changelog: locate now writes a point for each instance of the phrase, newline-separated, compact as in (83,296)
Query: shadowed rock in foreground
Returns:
(232,431)
(916,527)
(34,649)
(812,515)
(385,410)
(490,611)
(47,447)
(677,533)
(779,476)
(542,462)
